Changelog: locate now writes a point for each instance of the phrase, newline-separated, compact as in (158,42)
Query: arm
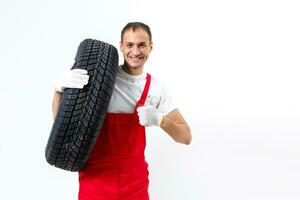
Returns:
(175,125)
(55,103)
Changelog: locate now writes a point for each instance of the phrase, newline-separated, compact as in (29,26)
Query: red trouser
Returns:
(116,169)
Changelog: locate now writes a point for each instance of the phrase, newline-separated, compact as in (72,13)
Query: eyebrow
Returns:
(136,43)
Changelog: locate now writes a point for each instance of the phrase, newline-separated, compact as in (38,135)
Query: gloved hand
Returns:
(75,78)
(149,116)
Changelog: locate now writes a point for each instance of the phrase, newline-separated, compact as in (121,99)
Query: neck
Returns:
(131,70)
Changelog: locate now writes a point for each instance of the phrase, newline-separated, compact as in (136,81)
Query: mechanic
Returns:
(116,168)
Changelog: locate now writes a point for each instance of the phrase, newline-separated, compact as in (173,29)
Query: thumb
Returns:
(142,108)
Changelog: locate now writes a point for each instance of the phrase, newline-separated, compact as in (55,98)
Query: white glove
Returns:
(149,116)
(75,78)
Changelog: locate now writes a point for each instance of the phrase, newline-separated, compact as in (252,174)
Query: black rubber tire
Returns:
(82,111)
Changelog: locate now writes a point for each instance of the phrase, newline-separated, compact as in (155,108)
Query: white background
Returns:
(232,67)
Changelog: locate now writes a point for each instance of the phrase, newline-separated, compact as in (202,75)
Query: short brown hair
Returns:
(136,25)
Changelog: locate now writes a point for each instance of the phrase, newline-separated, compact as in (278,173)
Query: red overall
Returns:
(116,169)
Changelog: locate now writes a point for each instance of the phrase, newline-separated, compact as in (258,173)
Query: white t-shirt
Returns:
(128,90)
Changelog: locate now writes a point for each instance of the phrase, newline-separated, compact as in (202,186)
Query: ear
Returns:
(151,46)
(121,46)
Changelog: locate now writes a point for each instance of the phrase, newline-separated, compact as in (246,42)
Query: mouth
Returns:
(135,58)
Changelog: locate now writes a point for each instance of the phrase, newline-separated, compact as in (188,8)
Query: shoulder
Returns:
(156,83)
(157,87)
(160,97)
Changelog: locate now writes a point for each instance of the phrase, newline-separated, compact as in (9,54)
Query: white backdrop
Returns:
(232,67)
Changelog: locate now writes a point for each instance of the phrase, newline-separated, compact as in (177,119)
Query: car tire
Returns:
(82,111)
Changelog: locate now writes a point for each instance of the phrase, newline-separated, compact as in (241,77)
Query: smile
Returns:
(135,58)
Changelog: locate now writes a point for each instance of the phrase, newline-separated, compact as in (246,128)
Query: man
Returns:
(116,168)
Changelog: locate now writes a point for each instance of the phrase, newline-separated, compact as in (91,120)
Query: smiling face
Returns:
(136,47)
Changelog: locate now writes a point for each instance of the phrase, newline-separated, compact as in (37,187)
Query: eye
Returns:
(128,45)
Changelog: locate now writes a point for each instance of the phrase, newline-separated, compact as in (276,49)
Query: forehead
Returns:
(137,36)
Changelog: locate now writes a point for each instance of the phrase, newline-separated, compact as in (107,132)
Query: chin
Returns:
(134,65)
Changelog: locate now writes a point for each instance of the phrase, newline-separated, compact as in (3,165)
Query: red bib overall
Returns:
(116,169)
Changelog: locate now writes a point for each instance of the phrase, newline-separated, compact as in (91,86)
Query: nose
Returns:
(136,50)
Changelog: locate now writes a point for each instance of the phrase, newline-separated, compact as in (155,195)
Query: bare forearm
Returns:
(179,132)
(55,103)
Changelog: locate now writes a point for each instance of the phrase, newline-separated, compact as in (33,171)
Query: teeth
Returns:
(134,58)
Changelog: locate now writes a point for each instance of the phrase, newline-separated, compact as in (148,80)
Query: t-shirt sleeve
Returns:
(166,103)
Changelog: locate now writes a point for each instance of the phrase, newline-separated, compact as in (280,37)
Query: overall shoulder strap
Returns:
(145,92)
